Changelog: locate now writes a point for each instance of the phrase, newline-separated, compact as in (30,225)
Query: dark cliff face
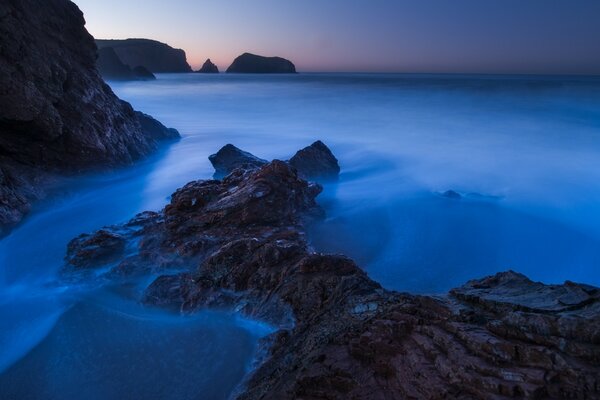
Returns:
(253,64)
(56,113)
(111,67)
(208,68)
(155,56)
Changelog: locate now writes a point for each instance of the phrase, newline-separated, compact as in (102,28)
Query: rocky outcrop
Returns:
(208,68)
(241,245)
(230,157)
(253,64)
(56,113)
(155,56)
(111,67)
(316,163)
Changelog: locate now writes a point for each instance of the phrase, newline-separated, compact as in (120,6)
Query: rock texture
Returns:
(209,68)
(230,157)
(56,113)
(254,64)
(155,56)
(241,245)
(111,67)
(316,163)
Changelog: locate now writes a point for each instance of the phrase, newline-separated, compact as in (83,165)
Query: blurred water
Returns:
(530,146)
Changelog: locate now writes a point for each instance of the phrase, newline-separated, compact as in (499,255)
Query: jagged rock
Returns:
(252,63)
(209,68)
(241,243)
(316,163)
(155,56)
(56,113)
(99,248)
(230,157)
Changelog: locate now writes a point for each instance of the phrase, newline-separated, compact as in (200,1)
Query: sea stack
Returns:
(208,68)
(253,64)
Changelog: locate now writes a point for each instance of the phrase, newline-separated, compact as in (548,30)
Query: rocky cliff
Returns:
(242,245)
(253,64)
(155,56)
(111,67)
(56,113)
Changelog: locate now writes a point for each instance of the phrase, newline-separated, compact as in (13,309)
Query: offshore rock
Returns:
(253,64)
(239,244)
(57,115)
(209,68)
(230,157)
(316,163)
(155,56)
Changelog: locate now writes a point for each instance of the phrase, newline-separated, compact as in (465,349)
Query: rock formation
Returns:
(111,67)
(241,244)
(251,63)
(155,56)
(56,113)
(209,68)
(230,157)
(315,162)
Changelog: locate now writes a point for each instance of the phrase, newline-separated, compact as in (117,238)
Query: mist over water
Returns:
(524,152)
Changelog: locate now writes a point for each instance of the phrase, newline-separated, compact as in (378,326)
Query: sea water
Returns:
(523,153)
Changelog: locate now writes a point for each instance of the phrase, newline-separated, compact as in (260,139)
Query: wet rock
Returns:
(241,243)
(99,248)
(230,157)
(155,56)
(252,63)
(316,163)
(208,68)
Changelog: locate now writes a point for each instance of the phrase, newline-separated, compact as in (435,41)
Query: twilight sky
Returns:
(488,36)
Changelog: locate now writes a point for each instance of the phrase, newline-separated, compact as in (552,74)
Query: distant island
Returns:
(254,64)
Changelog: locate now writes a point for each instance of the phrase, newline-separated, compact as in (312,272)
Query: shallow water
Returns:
(530,147)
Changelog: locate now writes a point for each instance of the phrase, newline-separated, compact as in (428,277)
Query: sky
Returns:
(422,36)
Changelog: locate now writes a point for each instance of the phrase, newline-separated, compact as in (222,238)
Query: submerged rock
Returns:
(316,163)
(155,56)
(230,157)
(451,194)
(209,68)
(252,63)
(241,245)
(57,115)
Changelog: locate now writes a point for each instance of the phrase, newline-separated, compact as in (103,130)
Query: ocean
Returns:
(523,152)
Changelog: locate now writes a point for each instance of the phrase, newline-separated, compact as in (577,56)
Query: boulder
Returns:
(208,68)
(316,163)
(252,63)
(155,56)
(230,157)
